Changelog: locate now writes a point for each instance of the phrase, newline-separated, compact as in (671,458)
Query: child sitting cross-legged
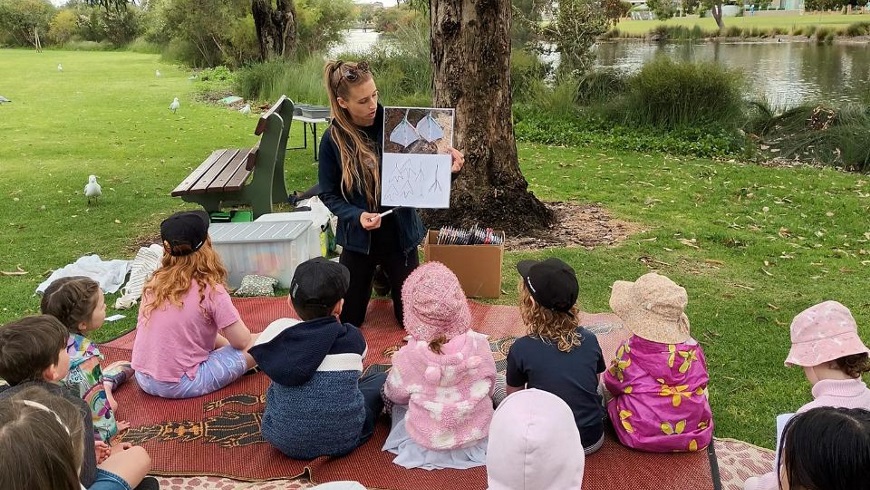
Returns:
(79,304)
(825,343)
(659,377)
(317,404)
(558,355)
(442,380)
(190,338)
(33,353)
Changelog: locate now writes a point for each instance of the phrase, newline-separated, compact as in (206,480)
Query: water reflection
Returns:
(786,74)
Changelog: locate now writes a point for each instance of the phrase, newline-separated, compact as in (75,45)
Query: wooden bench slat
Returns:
(234,169)
(252,157)
(202,186)
(264,117)
(185,185)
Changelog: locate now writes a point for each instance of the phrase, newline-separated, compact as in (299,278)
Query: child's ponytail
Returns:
(855,365)
(436,344)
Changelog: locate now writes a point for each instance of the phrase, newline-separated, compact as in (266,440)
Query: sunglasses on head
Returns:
(349,73)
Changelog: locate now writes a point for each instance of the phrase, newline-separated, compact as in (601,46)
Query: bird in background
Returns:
(93,189)
(59,67)
(157,73)
(4,99)
(174,105)
(246,109)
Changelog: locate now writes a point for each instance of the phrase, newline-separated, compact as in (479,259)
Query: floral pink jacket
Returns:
(448,395)
(660,396)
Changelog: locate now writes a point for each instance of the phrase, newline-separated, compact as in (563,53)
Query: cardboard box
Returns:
(478,267)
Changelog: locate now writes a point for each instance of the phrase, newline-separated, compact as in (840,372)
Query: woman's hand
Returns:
(458,160)
(370,221)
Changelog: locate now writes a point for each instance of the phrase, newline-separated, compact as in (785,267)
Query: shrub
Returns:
(666,94)
(600,86)
(824,35)
(301,81)
(857,29)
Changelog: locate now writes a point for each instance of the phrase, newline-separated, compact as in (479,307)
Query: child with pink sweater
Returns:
(442,380)
(825,343)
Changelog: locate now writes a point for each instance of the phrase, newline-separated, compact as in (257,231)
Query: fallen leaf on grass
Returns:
(741,286)
(713,262)
(766,272)
(19,272)
(689,243)
(772,306)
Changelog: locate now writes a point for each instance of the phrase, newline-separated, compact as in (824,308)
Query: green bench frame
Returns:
(223,178)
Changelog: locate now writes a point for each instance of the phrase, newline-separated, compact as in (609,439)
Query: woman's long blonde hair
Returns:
(359,162)
(549,325)
(171,282)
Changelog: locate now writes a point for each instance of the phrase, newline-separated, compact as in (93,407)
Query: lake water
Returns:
(786,74)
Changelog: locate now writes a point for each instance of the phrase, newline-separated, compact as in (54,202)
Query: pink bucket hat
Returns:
(653,308)
(823,333)
(434,303)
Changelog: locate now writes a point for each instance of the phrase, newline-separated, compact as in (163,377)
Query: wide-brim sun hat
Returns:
(823,333)
(653,308)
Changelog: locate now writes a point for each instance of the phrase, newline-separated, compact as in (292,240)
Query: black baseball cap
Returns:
(552,283)
(319,282)
(185,232)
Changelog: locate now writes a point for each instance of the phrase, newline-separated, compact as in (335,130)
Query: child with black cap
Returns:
(557,355)
(317,404)
(190,339)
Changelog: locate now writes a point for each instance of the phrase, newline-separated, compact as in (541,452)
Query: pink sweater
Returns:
(848,393)
(448,395)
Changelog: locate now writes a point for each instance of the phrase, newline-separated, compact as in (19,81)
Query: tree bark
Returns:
(276,28)
(471,65)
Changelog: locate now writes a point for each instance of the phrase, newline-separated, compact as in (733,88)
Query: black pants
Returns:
(398,266)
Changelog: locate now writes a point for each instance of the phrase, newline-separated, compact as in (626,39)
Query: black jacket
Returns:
(349,233)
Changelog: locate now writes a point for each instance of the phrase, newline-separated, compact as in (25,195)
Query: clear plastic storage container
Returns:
(271,249)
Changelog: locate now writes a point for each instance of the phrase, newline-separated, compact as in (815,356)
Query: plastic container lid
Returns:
(257,231)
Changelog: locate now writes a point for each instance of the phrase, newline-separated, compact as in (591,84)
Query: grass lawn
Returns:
(752,245)
(788,22)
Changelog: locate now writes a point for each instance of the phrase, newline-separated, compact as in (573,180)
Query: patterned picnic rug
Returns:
(217,435)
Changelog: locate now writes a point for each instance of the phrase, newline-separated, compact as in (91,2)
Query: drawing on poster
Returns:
(417,158)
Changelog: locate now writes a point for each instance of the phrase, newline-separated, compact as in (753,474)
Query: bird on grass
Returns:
(174,105)
(157,73)
(93,189)
(59,67)
(4,99)
(246,109)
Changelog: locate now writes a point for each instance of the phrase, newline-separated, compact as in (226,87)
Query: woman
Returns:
(350,186)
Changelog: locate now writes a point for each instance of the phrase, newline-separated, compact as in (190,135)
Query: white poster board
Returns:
(417,160)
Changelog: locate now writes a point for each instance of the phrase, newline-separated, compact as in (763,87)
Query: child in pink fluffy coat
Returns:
(825,342)
(442,380)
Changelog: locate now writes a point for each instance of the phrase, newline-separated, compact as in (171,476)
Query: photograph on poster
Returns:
(417,159)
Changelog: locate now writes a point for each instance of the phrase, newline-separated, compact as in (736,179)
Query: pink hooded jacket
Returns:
(534,444)
(448,394)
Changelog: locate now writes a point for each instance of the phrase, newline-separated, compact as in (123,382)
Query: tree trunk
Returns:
(471,65)
(276,28)
(716,10)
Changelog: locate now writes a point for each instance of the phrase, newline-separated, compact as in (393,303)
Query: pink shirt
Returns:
(174,341)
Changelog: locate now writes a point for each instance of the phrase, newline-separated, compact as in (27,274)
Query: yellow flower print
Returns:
(670,430)
(673,354)
(623,418)
(703,425)
(693,446)
(618,367)
(689,357)
(628,390)
(676,392)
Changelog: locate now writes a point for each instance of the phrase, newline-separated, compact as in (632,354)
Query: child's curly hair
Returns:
(72,300)
(855,365)
(171,282)
(549,325)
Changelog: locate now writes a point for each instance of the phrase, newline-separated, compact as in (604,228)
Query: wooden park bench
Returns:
(252,176)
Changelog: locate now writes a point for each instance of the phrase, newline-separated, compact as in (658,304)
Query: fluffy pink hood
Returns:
(534,444)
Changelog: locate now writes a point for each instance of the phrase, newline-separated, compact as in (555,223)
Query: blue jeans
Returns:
(109,481)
